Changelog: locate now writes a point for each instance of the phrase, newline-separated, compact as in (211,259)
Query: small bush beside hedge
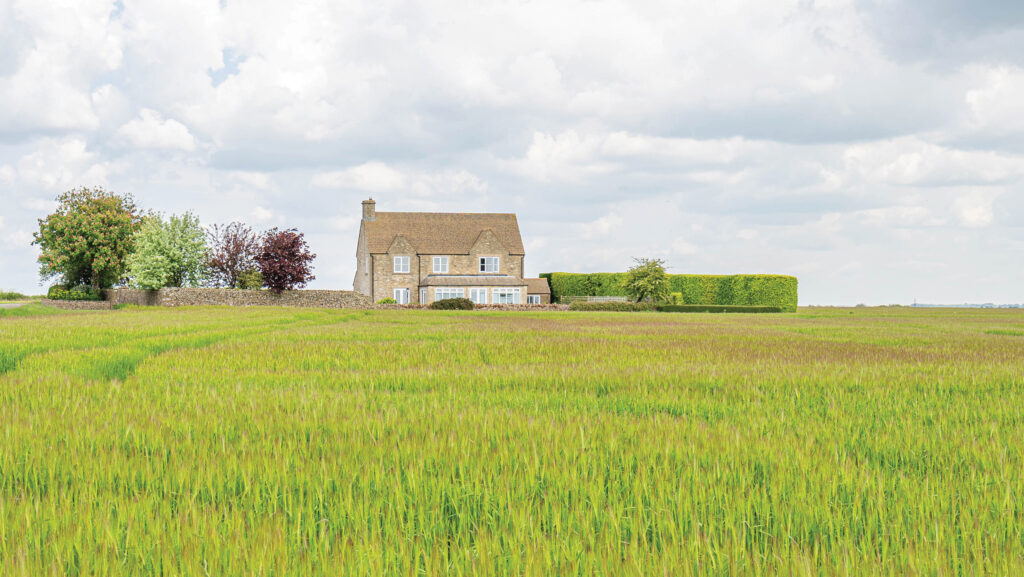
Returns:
(387,301)
(625,307)
(716,309)
(78,293)
(452,305)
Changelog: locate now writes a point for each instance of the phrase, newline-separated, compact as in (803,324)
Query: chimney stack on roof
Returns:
(369,209)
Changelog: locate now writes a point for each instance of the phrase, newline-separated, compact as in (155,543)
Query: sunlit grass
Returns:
(293,441)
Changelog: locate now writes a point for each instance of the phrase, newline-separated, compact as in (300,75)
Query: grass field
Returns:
(217,441)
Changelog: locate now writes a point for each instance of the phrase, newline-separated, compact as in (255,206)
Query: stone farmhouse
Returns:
(420,257)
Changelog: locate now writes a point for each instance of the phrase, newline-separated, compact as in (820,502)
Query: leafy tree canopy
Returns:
(168,253)
(285,260)
(87,240)
(646,280)
(232,256)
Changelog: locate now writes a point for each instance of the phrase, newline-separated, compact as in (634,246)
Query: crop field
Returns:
(273,441)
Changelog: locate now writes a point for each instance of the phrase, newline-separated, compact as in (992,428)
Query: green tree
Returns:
(88,239)
(168,253)
(646,280)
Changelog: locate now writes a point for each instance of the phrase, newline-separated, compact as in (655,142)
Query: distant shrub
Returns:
(12,296)
(452,305)
(646,280)
(620,306)
(249,280)
(78,293)
(387,301)
(717,309)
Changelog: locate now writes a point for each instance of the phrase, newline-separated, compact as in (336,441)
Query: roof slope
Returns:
(441,232)
(537,286)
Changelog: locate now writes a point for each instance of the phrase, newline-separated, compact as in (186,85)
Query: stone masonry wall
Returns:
(180,297)
(78,305)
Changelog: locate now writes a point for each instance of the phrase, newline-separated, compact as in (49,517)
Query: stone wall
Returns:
(132,297)
(180,297)
(524,308)
(78,305)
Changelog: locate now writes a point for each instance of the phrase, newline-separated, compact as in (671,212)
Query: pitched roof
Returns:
(537,286)
(441,232)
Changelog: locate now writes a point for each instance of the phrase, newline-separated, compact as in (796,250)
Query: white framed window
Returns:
(506,296)
(533,299)
(449,293)
(488,264)
(402,296)
(441,264)
(401,264)
(478,296)
(423,296)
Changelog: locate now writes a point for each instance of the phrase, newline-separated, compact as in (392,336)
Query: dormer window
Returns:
(401,264)
(441,264)
(488,264)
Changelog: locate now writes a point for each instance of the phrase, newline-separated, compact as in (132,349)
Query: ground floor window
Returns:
(449,293)
(478,296)
(423,296)
(402,296)
(533,299)
(506,296)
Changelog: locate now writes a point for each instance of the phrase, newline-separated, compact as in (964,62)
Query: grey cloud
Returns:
(947,33)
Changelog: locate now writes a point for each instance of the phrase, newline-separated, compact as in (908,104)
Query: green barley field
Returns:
(220,441)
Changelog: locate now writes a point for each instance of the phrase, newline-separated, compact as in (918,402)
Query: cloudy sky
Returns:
(874,149)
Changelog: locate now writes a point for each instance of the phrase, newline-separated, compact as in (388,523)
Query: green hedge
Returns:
(78,293)
(622,307)
(717,309)
(740,289)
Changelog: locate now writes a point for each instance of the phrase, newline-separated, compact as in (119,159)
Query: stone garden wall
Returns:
(181,297)
(78,305)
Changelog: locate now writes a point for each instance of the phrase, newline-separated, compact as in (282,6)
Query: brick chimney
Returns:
(369,209)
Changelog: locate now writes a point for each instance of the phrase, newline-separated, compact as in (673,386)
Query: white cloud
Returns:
(150,130)
(380,178)
(974,209)
(565,157)
(40,205)
(7,174)
(59,164)
(898,216)
(19,240)
(368,177)
(70,42)
(914,161)
(250,179)
(261,214)
(599,228)
(681,246)
(995,105)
